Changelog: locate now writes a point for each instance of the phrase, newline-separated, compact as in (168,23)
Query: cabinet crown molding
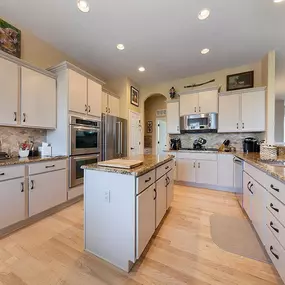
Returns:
(172,101)
(247,90)
(198,90)
(110,93)
(67,65)
(26,64)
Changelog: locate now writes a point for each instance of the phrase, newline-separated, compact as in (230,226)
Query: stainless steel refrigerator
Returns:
(114,137)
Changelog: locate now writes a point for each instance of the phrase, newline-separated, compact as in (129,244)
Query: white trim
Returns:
(67,65)
(198,90)
(23,63)
(240,91)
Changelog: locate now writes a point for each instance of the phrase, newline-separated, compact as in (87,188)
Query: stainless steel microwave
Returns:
(199,123)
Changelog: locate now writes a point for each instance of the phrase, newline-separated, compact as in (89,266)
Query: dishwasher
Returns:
(238,173)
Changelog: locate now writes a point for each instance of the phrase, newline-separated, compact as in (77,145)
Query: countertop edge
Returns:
(21,161)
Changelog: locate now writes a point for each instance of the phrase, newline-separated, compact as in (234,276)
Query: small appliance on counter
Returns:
(4,155)
(198,143)
(175,144)
(250,145)
(33,150)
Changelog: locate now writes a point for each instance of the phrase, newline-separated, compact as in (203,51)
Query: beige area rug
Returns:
(236,235)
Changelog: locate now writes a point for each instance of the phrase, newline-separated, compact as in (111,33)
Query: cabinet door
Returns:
(206,172)
(247,181)
(38,99)
(94,99)
(9,82)
(105,103)
(46,191)
(208,102)
(160,199)
(173,125)
(189,104)
(186,170)
(170,186)
(114,106)
(145,216)
(77,92)
(229,113)
(253,111)
(225,170)
(12,202)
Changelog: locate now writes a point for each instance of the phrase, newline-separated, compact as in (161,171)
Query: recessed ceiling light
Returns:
(277,1)
(205,51)
(204,14)
(83,6)
(141,69)
(120,47)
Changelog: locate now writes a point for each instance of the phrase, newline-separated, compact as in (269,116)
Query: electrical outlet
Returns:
(107,196)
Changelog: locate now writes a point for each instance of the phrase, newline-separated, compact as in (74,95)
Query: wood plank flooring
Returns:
(51,251)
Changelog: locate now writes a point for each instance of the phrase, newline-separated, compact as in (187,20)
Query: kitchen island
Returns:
(124,207)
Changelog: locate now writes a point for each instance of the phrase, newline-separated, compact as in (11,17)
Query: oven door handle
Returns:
(86,157)
(86,128)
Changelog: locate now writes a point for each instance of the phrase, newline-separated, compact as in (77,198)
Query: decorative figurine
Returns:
(172,92)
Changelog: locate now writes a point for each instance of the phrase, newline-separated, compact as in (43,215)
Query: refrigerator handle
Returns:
(118,139)
(121,136)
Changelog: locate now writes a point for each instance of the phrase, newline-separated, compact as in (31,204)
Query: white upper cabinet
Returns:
(105,103)
(253,111)
(38,99)
(9,82)
(114,106)
(208,101)
(94,98)
(189,104)
(229,113)
(77,92)
(242,111)
(173,125)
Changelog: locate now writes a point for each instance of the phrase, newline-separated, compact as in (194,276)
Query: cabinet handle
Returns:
(178,128)
(24,117)
(15,116)
(167,167)
(199,109)
(109,110)
(89,109)
(250,189)
(86,108)
(147,180)
(166,182)
(198,164)
(2,174)
(22,187)
(194,165)
(106,109)
(275,209)
(272,187)
(243,125)
(275,229)
(32,184)
(274,254)
(155,194)
(50,166)
(195,109)
(237,125)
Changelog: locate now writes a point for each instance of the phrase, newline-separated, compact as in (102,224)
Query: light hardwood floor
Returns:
(51,251)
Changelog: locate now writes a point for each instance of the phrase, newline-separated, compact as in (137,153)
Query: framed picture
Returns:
(10,39)
(134,96)
(240,81)
(149,127)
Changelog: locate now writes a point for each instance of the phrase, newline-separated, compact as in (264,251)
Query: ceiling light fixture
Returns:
(205,51)
(83,6)
(278,1)
(141,69)
(204,14)
(120,47)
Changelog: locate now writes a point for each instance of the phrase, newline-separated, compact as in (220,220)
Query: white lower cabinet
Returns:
(12,202)
(145,218)
(46,190)
(160,199)
(225,170)
(186,170)
(206,172)
(169,189)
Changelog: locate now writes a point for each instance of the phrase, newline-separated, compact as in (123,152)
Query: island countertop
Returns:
(149,162)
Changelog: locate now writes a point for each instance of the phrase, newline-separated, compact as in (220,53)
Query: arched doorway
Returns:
(155,134)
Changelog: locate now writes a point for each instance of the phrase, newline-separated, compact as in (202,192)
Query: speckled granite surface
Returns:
(149,162)
(15,161)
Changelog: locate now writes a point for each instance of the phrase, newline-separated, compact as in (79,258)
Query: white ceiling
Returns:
(164,36)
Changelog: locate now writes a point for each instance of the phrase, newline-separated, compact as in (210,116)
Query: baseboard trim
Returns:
(29,221)
(211,187)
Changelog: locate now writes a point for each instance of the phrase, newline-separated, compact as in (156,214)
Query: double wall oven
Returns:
(85,147)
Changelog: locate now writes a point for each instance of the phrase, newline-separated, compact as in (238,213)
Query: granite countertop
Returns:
(17,160)
(150,162)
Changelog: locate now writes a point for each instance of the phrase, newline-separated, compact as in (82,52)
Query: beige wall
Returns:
(279,120)
(152,104)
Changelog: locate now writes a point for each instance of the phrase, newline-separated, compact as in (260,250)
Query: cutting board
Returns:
(121,163)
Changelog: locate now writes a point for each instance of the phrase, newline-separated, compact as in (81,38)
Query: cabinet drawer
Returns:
(275,226)
(46,166)
(276,208)
(276,252)
(145,181)
(163,169)
(276,188)
(197,155)
(10,172)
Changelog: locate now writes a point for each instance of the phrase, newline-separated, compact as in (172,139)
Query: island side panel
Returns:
(109,210)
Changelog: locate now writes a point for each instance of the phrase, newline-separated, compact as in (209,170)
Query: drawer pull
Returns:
(166,182)
(2,174)
(275,189)
(155,194)
(275,229)
(274,254)
(147,180)
(275,209)
(22,187)
(32,185)
(50,166)
(167,167)
(249,187)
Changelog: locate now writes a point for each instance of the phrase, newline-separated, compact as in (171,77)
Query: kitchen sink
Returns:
(280,163)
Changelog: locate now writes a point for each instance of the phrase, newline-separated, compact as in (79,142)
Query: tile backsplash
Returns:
(215,140)
(11,137)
